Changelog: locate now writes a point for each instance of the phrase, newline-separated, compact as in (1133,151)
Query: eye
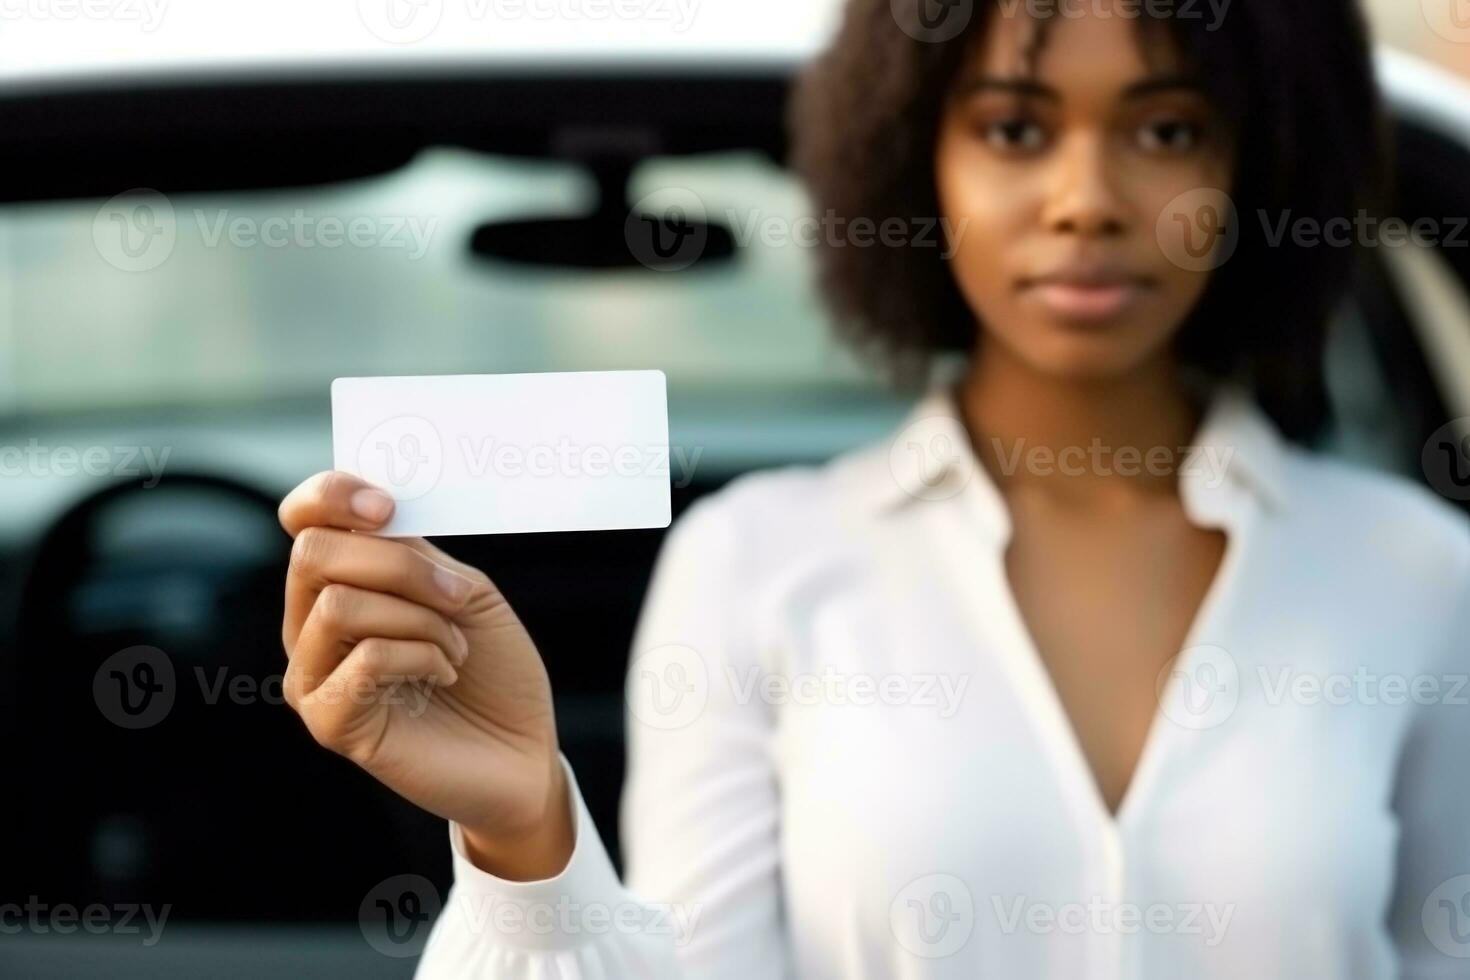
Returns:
(1170,136)
(1014,135)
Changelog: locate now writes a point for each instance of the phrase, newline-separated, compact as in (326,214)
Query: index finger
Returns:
(334,499)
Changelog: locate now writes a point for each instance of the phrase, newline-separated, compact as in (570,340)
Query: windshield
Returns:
(191,298)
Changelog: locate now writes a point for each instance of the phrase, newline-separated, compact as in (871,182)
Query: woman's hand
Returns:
(412,665)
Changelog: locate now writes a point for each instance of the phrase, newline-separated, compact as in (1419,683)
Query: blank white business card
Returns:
(509,453)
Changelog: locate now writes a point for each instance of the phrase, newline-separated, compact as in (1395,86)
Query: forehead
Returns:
(1100,45)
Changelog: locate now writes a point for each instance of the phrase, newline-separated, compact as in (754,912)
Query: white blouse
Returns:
(846,758)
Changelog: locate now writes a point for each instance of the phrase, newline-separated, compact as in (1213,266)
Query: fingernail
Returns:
(454,586)
(453,675)
(372,505)
(462,644)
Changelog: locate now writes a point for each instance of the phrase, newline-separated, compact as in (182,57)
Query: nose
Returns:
(1083,199)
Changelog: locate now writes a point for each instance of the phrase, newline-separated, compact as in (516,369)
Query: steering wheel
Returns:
(147,694)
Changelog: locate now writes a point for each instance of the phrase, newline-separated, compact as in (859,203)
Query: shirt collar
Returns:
(1237,454)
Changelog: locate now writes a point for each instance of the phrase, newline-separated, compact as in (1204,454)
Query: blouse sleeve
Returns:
(1430,915)
(699,812)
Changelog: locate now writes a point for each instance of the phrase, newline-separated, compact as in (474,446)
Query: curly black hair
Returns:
(1294,81)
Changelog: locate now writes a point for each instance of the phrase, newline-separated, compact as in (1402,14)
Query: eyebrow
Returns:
(1031,88)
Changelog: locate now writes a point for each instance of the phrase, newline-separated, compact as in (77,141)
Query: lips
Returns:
(1086,294)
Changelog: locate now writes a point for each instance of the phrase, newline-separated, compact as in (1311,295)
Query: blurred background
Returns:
(1430,30)
(213,209)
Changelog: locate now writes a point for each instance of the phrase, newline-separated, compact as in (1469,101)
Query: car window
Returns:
(191,299)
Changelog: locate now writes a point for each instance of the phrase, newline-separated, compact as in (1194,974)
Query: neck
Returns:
(1034,430)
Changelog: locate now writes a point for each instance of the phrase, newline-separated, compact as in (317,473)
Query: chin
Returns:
(1092,353)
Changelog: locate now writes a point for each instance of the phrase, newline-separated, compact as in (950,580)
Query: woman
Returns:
(1019,692)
